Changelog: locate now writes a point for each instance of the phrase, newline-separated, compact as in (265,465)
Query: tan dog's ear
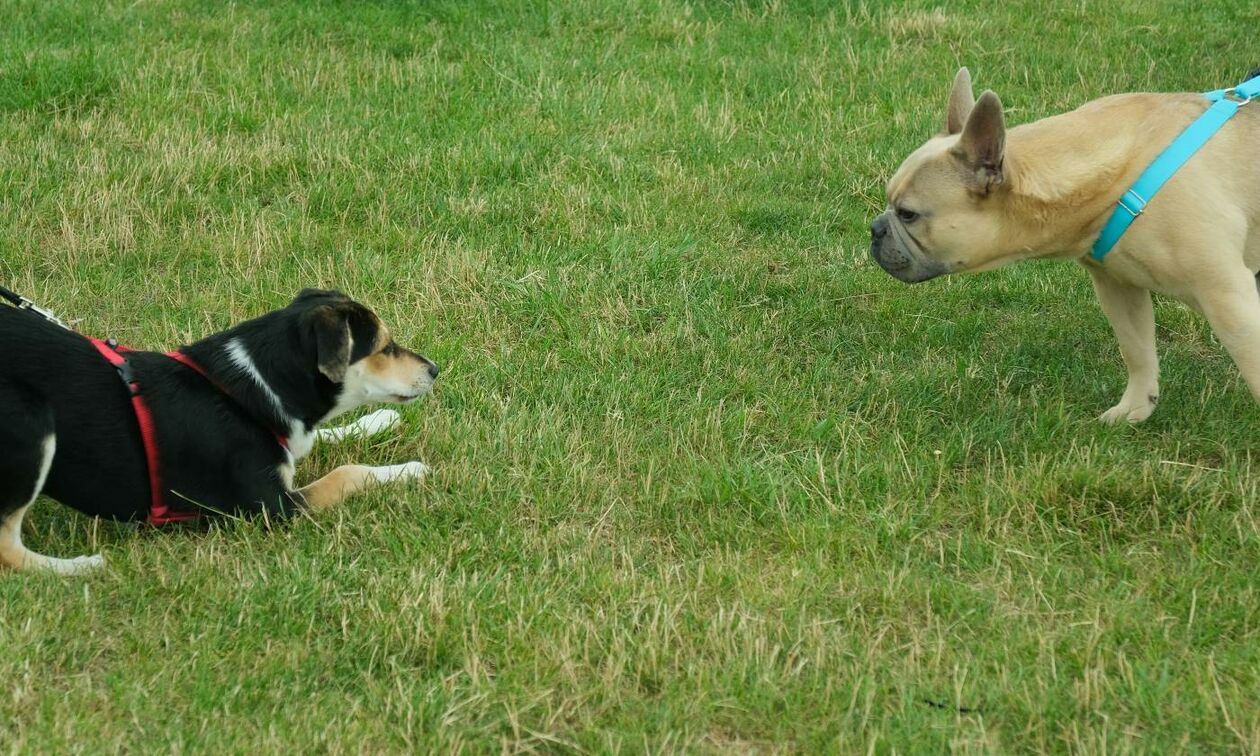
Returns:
(982,145)
(961,101)
(332,342)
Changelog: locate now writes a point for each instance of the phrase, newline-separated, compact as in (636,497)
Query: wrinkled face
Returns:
(948,202)
(357,352)
(935,223)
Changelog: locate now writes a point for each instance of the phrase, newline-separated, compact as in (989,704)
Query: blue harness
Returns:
(1225,103)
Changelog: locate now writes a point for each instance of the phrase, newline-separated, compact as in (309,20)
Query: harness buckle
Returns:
(128,376)
(1140,202)
(1232,95)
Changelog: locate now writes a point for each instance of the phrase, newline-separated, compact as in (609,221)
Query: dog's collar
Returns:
(1225,103)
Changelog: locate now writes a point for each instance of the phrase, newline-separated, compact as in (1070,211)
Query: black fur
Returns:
(218,451)
(22,434)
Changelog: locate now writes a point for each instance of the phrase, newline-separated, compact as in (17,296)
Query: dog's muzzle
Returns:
(897,253)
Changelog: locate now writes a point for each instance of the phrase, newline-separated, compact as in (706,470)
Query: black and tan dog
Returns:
(227,440)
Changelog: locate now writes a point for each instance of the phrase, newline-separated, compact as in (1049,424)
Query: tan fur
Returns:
(350,479)
(336,486)
(1198,241)
(398,368)
(961,101)
(383,336)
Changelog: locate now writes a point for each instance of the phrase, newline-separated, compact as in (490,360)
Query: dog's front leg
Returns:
(350,479)
(368,425)
(1132,317)
(1234,313)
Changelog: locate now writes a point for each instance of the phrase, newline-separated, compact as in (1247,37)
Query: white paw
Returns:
(81,565)
(1128,412)
(405,471)
(368,425)
(378,421)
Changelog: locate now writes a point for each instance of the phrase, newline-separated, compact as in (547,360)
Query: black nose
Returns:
(879,227)
(433,370)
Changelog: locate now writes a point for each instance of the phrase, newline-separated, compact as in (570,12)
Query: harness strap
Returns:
(184,359)
(1246,91)
(159,512)
(1225,103)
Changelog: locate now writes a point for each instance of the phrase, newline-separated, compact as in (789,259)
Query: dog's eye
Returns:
(906,216)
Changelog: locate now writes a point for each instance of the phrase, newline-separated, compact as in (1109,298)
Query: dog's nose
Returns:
(879,227)
(433,370)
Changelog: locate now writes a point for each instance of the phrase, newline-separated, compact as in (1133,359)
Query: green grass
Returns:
(705,478)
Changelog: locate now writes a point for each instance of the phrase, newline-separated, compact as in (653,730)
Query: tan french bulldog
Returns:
(976,197)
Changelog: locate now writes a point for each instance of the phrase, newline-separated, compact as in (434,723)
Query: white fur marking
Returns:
(50,451)
(405,471)
(15,554)
(300,442)
(368,425)
(239,357)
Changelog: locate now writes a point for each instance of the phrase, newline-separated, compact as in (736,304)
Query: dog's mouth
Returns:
(900,255)
(409,396)
(907,270)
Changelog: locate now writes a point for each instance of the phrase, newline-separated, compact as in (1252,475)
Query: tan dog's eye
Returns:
(906,216)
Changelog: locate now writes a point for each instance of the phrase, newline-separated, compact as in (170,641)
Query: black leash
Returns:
(22,303)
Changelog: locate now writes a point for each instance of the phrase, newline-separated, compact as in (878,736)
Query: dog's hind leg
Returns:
(29,446)
(368,425)
(1132,318)
(1234,313)
(12,551)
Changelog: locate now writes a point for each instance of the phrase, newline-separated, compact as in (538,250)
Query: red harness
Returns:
(159,512)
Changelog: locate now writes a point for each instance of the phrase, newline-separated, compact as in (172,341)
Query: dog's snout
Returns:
(879,227)
(896,260)
(433,369)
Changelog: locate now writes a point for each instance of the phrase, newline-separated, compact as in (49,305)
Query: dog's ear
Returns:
(982,145)
(961,101)
(332,341)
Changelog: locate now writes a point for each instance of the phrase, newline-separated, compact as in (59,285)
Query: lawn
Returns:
(705,478)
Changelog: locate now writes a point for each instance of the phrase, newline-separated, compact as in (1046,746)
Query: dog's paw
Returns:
(368,425)
(89,563)
(1129,412)
(377,422)
(405,471)
(81,565)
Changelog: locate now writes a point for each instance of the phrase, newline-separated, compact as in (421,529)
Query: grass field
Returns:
(705,477)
